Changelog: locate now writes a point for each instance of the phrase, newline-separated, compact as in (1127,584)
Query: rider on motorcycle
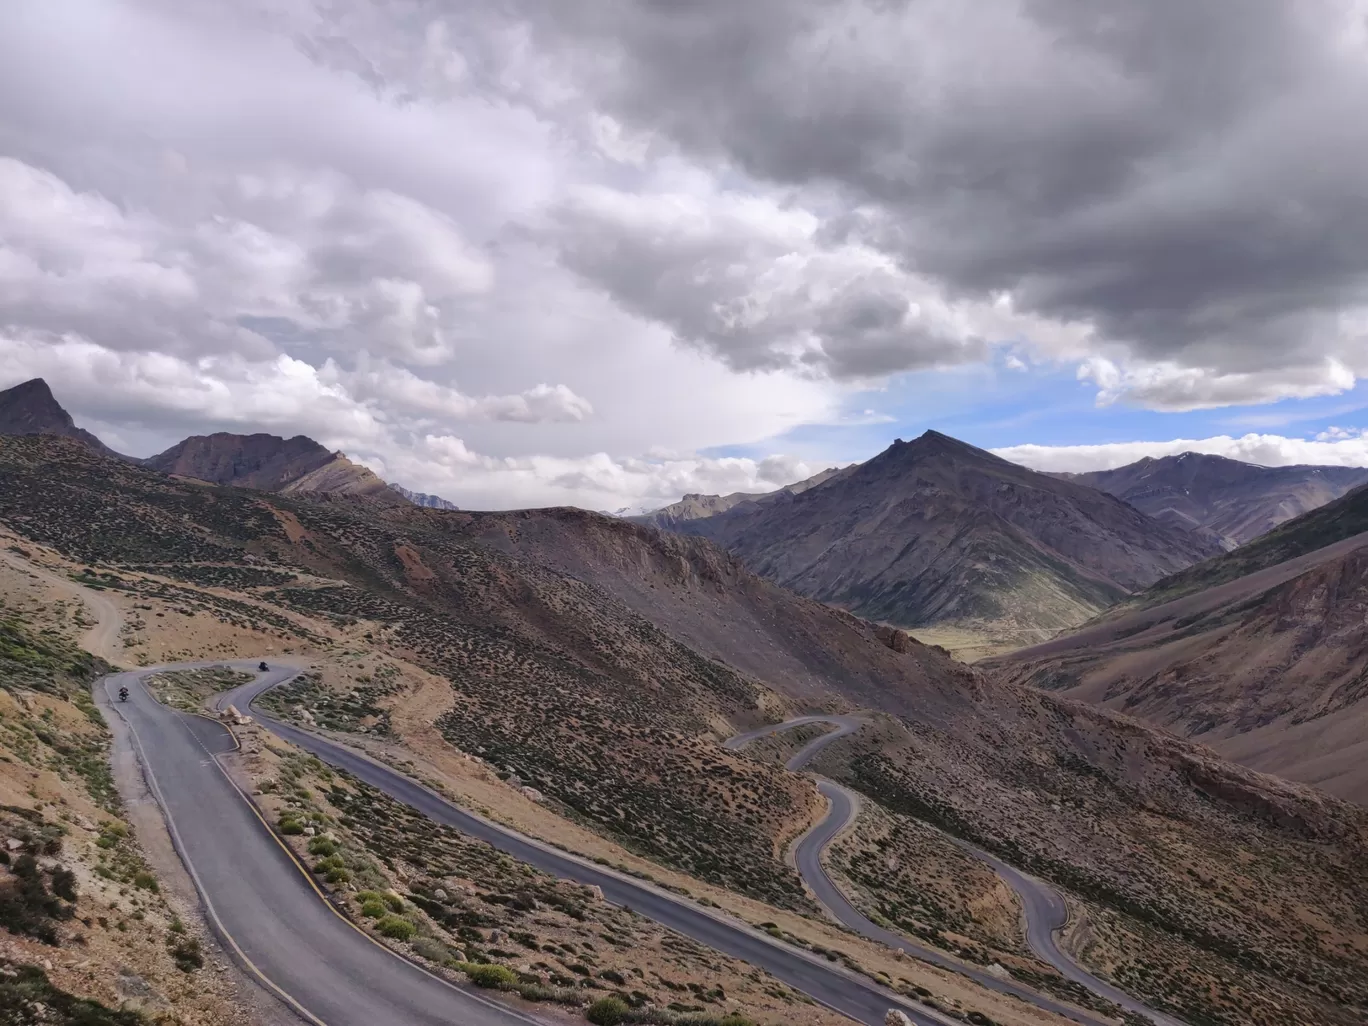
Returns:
(123,694)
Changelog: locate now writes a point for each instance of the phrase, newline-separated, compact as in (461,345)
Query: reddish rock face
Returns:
(269,463)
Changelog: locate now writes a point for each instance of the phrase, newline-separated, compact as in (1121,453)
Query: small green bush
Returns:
(495,977)
(187,954)
(338,875)
(432,950)
(373,909)
(395,902)
(289,825)
(608,1011)
(541,992)
(146,881)
(396,928)
(324,846)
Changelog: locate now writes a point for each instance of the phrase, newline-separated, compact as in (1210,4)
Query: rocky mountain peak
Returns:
(270,463)
(30,408)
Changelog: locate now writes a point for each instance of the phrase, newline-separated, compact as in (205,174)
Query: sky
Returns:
(603,254)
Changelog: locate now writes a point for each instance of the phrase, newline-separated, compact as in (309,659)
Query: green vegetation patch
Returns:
(27,996)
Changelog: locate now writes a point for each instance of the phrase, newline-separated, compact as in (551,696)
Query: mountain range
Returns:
(935,531)
(602,660)
(262,461)
(1212,495)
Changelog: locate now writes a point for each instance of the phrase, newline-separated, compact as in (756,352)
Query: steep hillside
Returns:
(1334,522)
(935,531)
(88,934)
(1264,660)
(695,506)
(1234,501)
(269,463)
(574,651)
(704,596)
(30,408)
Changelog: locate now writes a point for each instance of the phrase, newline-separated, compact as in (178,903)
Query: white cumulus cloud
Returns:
(1342,447)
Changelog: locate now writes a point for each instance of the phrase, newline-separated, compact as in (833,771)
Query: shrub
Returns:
(26,907)
(608,1011)
(338,875)
(187,954)
(396,928)
(492,976)
(373,909)
(393,900)
(324,846)
(432,950)
(63,883)
(289,825)
(145,880)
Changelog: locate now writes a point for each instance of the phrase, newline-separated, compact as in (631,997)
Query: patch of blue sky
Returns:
(996,406)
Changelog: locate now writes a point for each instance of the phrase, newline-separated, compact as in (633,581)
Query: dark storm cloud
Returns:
(1185,176)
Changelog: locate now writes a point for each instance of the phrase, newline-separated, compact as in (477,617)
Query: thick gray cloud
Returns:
(504,250)
(1185,177)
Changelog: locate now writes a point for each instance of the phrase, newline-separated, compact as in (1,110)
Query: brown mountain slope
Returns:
(935,531)
(269,463)
(1233,500)
(1269,666)
(1335,521)
(695,506)
(30,408)
(564,671)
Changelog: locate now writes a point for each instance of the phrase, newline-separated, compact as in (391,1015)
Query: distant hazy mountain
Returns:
(423,498)
(1234,501)
(937,531)
(31,409)
(695,506)
(269,463)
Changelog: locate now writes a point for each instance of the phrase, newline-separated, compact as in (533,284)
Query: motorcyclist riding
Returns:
(262,666)
(123,694)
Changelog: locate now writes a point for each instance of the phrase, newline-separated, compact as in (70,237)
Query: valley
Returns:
(782,513)
(583,660)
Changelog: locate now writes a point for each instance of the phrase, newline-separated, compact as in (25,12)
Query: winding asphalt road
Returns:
(265,908)
(1043,908)
(261,903)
